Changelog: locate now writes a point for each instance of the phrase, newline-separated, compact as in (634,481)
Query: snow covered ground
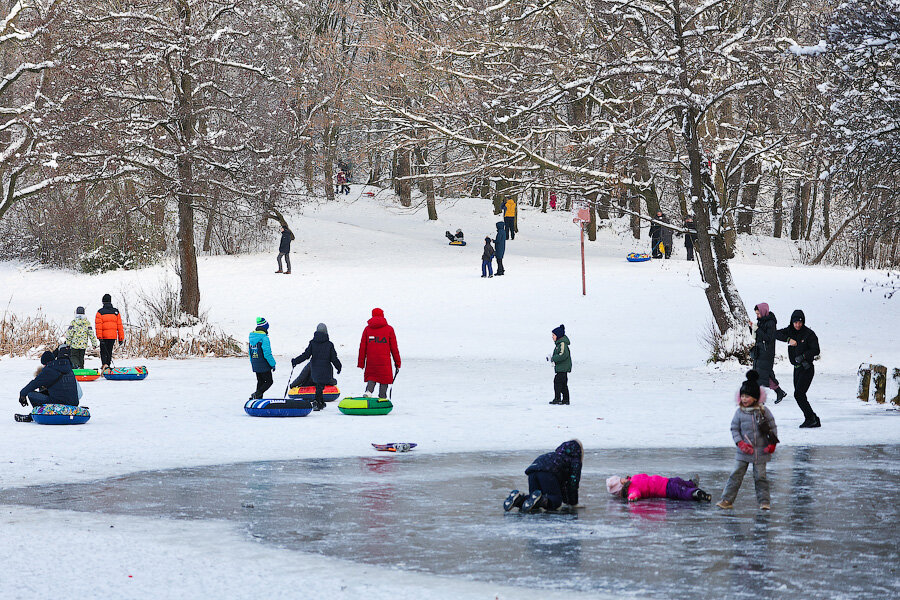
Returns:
(474,377)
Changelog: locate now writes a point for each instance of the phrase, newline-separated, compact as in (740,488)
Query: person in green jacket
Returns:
(78,336)
(562,365)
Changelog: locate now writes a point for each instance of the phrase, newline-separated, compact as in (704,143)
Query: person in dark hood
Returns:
(553,480)
(690,236)
(376,349)
(321,355)
(487,259)
(56,379)
(763,352)
(284,249)
(656,235)
(803,347)
(500,246)
(562,365)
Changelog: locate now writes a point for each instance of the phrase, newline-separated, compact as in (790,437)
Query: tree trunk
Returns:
(826,207)
(404,187)
(795,210)
(749,196)
(429,186)
(636,216)
(328,158)
(778,206)
(309,168)
(187,254)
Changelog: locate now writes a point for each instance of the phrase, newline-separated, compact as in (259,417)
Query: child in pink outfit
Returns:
(636,487)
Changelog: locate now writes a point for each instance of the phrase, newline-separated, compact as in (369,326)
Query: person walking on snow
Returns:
(261,360)
(803,347)
(108,324)
(763,352)
(690,236)
(321,355)
(487,256)
(284,249)
(376,348)
(509,218)
(553,480)
(500,246)
(562,365)
(656,235)
(636,487)
(78,336)
(755,434)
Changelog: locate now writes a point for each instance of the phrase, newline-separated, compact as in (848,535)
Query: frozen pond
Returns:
(832,532)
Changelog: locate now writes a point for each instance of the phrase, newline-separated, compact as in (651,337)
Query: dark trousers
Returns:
(549,486)
(319,401)
(690,252)
(287,260)
(679,489)
(654,247)
(802,380)
(510,227)
(39,399)
(77,356)
(382,388)
(561,387)
(106,347)
(263,382)
(500,270)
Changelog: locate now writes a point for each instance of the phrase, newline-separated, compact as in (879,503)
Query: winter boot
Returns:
(701,496)
(809,423)
(765,506)
(555,401)
(288,272)
(780,395)
(724,504)
(367,394)
(279,271)
(514,500)
(534,502)
(695,479)
(23,418)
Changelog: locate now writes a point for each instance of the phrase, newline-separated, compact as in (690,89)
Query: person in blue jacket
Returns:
(261,358)
(321,355)
(56,379)
(553,480)
(500,246)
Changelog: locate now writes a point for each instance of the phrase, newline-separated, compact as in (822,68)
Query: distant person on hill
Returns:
(656,235)
(509,217)
(376,348)
(562,365)
(321,355)
(553,480)
(343,188)
(640,486)
(690,236)
(78,336)
(803,347)
(108,323)
(55,383)
(455,237)
(763,351)
(261,359)
(666,236)
(500,247)
(552,200)
(487,259)
(284,249)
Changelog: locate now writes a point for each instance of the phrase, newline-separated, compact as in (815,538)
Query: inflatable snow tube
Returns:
(457,243)
(638,257)
(278,407)
(329,393)
(365,406)
(60,414)
(86,374)
(126,373)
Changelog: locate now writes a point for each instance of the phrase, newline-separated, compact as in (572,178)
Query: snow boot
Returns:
(23,418)
(809,423)
(724,504)
(288,272)
(701,496)
(695,479)
(555,401)
(514,500)
(534,502)
(780,395)
(279,271)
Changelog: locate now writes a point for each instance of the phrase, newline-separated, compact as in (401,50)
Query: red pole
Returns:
(583,285)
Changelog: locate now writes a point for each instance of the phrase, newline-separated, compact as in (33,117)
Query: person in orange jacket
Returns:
(108,324)
(509,218)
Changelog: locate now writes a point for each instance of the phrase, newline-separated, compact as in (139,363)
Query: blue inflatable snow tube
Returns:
(60,414)
(638,257)
(278,407)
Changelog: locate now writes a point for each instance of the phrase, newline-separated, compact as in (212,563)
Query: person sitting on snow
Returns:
(457,237)
(55,383)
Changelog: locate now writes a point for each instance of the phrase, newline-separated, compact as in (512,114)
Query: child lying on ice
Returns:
(636,487)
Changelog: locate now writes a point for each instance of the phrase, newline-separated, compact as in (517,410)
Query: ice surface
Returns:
(831,532)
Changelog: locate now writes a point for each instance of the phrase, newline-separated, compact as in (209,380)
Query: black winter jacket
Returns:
(764,351)
(58,378)
(321,355)
(807,347)
(286,238)
(565,465)
(488,253)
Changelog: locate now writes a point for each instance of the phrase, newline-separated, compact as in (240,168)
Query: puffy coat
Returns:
(377,346)
(80,334)
(807,347)
(260,351)
(564,464)
(286,237)
(763,352)
(561,357)
(108,323)
(510,208)
(647,486)
(744,427)
(488,252)
(59,379)
(321,355)
(500,240)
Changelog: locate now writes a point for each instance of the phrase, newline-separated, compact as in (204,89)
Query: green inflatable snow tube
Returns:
(365,406)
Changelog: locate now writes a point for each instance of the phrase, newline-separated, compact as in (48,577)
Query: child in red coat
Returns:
(636,487)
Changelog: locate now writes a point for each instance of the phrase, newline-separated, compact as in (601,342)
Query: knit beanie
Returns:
(46,358)
(321,327)
(377,312)
(798,315)
(79,310)
(107,298)
(559,331)
(751,385)
(262,324)
(614,485)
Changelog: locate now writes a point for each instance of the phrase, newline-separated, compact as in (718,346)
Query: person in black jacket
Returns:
(56,378)
(803,347)
(284,249)
(763,352)
(690,236)
(553,480)
(487,259)
(656,236)
(321,355)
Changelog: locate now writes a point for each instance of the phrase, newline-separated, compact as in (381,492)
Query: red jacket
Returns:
(108,324)
(377,346)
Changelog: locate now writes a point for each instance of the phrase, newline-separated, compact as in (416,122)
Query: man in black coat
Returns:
(284,249)
(690,236)
(56,377)
(803,347)
(321,355)
(656,233)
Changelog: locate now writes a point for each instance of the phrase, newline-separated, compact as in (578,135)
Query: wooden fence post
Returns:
(879,382)
(895,377)
(864,375)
